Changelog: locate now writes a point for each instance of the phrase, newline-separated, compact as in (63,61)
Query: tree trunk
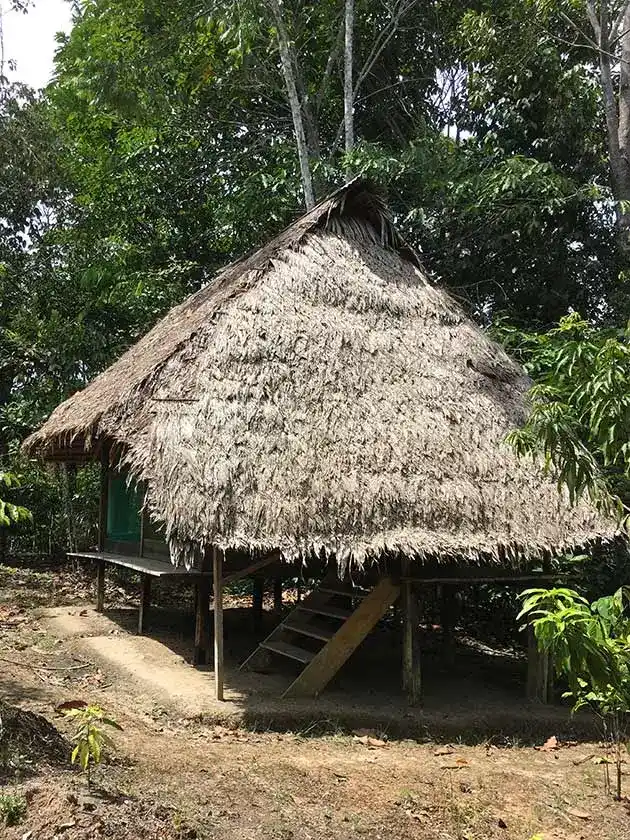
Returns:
(622,164)
(294,102)
(348,90)
(616,110)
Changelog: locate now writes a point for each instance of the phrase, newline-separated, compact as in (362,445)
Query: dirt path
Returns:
(158,668)
(158,675)
(177,777)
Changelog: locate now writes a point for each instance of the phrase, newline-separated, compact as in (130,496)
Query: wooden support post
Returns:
(202,622)
(100,585)
(411,647)
(539,672)
(102,529)
(145,602)
(142,523)
(258,592)
(217,569)
(448,618)
(102,510)
(277,595)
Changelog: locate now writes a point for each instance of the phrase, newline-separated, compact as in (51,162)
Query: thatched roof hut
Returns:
(321,395)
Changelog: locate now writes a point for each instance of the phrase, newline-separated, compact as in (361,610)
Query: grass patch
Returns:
(12,808)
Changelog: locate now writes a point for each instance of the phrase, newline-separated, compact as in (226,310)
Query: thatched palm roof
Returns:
(321,394)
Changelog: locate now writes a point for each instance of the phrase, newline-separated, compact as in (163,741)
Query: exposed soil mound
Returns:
(28,738)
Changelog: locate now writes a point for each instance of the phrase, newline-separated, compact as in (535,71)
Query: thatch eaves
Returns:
(322,396)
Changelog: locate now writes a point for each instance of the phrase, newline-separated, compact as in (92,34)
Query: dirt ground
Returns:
(183,768)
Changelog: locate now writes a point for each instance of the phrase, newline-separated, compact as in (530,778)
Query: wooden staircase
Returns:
(325,629)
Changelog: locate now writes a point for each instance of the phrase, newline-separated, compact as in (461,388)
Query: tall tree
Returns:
(348,88)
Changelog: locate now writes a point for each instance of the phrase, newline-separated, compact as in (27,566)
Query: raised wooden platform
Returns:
(154,567)
(144,565)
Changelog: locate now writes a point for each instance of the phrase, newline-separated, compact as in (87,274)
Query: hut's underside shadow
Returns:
(473,694)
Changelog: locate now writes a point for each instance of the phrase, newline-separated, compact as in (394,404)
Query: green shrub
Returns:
(12,808)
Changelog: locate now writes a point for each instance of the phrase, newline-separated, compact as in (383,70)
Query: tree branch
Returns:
(616,27)
(397,14)
(330,64)
(591,11)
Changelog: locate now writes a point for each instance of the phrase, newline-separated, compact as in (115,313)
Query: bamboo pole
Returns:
(217,568)
(411,652)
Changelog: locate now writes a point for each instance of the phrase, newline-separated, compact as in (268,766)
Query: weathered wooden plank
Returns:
(474,576)
(342,613)
(217,569)
(303,628)
(289,650)
(148,565)
(332,656)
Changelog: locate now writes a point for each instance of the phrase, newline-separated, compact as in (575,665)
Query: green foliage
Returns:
(164,149)
(9,512)
(12,808)
(580,418)
(589,644)
(90,737)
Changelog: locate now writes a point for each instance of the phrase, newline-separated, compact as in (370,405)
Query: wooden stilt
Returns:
(448,618)
(100,585)
(102,531)
(217,568)
(411,647)
(258,592)
(539,672)
(277,595)
(102,509)
(202,623)
(145,603)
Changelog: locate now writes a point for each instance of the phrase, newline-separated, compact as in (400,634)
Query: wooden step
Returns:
(327,610)
(346,593)
(308,630)
(291,651)
(325,664)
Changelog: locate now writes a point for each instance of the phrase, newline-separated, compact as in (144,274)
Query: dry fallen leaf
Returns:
(549,745)
(416,815)
(368,741)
